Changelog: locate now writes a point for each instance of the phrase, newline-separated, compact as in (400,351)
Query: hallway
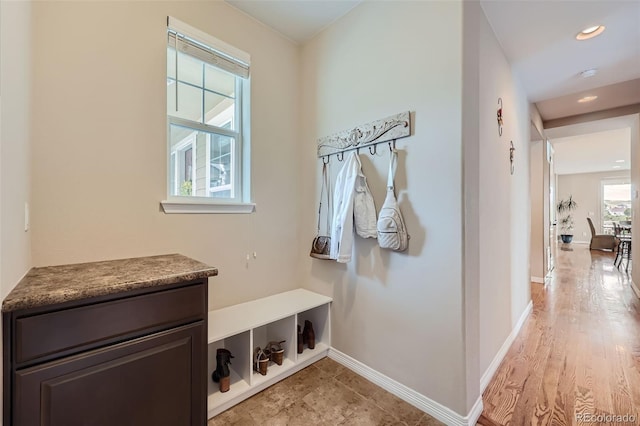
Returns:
(578,354)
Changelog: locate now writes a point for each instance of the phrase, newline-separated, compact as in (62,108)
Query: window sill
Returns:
(205,207)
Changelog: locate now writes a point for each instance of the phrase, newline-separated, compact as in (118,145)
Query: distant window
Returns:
(616,203)
(207,97)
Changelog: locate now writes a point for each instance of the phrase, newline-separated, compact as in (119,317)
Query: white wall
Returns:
(399,313)
(537,209)
(520,203)
(15,145)
(471,195)
(99,144)
(539,193)
(635,198)
(15,134)
(505,199)
(586,189)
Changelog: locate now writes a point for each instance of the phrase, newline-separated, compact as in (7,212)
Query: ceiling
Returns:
(611,96)
(593,152)
(592,146)
(538,38)
(297,20)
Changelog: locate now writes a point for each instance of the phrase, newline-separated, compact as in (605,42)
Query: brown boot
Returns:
(300,341)
(309,335)
(222,372)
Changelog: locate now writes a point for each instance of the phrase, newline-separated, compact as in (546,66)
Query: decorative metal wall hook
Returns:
(512,151)
(327,158)
(394,145)
(500,122)
(373,149)
(340,156)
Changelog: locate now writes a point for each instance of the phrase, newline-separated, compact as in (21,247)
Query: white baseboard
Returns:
(493,367)
(636,290)
(429,406)
(537,280)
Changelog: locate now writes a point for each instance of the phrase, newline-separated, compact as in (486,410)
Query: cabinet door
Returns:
(154,380)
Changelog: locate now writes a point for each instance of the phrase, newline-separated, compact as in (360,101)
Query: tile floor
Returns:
(325,393)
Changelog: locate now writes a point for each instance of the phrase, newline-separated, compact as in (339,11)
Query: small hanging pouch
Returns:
(321,245)
(392,233)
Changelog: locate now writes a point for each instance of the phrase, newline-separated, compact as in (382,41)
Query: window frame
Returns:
(611,181)
(240,178)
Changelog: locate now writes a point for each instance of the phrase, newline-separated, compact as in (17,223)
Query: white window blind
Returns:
(208,49)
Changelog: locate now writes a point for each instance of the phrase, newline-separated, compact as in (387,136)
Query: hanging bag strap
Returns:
(393,165)
(325,190)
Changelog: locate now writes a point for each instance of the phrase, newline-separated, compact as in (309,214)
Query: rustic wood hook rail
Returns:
(370,135)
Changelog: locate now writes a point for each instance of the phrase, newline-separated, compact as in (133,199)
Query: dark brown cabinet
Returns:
(136,358)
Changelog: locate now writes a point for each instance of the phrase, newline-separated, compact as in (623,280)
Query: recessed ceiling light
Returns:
(590,32)
(589,73)
(587,99)
(619,161)
(617,167)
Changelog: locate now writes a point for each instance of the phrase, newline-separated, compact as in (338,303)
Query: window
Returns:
(616,203)
(207,115)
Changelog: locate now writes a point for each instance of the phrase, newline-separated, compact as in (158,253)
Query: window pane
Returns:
(182,142)
(219,110)
(221,166)
(172,174)
(190,69)
(617,204)
(171,63)
(189,101)
(202,164)
(219,81)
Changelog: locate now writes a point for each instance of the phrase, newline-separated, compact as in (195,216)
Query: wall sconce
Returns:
(512,151)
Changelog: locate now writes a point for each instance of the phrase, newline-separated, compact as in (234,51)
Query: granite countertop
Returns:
(56,284)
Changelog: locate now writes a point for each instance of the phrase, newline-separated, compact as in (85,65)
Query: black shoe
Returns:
(223,359)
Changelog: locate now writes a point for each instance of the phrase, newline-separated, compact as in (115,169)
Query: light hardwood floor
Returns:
(578,354)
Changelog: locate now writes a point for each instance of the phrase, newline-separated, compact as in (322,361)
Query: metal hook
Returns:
(340,155)
(326,157)
(499,117)
(394,146)
(511,156)
(373,151)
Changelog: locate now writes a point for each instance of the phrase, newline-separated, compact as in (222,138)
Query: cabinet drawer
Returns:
(45,334)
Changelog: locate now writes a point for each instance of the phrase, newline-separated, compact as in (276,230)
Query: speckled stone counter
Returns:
(56,284)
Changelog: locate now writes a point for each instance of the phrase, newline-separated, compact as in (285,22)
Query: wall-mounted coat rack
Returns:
(367,135)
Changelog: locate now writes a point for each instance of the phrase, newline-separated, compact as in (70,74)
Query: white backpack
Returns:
(392,234)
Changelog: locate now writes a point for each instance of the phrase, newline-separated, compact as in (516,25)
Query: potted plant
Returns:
(564,208)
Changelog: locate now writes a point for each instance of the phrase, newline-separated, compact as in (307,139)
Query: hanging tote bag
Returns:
(321,245)
(392,233)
